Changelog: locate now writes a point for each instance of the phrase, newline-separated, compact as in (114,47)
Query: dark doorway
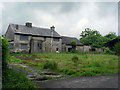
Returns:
(69,49)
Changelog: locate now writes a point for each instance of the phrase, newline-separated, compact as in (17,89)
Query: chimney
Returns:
(28,24)
(16,26)
(52,28)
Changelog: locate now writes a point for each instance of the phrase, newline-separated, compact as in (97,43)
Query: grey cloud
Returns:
(68,17)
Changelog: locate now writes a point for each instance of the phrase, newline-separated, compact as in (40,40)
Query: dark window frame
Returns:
(24,37)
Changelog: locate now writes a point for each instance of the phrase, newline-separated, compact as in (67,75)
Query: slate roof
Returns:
(68,40)
(37,31)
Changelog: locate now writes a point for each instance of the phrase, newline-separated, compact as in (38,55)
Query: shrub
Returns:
(75,59)
(108,51)
(13,79)
(50,65)
(117,48)
(5,51)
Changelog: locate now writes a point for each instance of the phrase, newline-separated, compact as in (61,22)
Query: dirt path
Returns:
(107,81)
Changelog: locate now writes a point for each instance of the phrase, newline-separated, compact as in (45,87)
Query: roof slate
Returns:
(22,29)
(68,40)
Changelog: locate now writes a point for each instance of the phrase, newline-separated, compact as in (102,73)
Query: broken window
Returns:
(55,39)
(23,37)
(23,46)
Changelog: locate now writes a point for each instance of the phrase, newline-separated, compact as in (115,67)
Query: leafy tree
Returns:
(88,32)
(74,44)
(91,38)
(111,36)
(94,38)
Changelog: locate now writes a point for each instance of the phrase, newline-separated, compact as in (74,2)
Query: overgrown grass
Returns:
(16,80)
(88,64)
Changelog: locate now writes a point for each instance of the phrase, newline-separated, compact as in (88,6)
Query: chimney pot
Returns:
(16,26)
(52,28)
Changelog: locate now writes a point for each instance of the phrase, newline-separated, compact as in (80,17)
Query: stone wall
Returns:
(87,48)
(80,48)
(18,42)
(48,45)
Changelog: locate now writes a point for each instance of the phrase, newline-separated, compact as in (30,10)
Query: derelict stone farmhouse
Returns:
(26,38)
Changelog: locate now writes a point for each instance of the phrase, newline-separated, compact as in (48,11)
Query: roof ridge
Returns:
(32,26)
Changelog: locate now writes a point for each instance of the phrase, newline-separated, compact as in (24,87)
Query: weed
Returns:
(50,65)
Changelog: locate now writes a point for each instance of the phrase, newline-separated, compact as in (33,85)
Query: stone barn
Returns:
(67,46)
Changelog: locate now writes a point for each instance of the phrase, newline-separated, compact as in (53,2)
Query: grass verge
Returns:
(13,79)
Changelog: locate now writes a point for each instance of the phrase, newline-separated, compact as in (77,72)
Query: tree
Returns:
(91,38)
(88,32)
(74,44)
(110,36)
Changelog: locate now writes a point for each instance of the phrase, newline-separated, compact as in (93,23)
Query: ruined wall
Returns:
(18,42)
(48,45)
(99,50)
(10,33)
(80,48)
(56,44)
(87,48)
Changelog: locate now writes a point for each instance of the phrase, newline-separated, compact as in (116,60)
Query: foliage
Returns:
(88,32)
(75,59)
(94,38)
(108,51)
(14,79)
(74,50)
(5,52)
(91,38)
(73,43)
(117,48)
(111,36)
(50,65)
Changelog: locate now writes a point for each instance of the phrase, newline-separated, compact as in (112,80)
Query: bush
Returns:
(108,51)
(5,52)
(75,59)
(13,79)
(50,65)
(117,48)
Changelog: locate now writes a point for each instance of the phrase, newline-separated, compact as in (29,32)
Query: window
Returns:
(23,37)
(56,39)
(11,46)
(40,45)
(23,46)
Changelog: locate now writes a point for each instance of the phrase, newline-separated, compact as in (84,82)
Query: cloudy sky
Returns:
(69,18)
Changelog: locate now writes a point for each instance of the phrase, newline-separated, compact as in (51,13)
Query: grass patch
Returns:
(78,64)
(14,79)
